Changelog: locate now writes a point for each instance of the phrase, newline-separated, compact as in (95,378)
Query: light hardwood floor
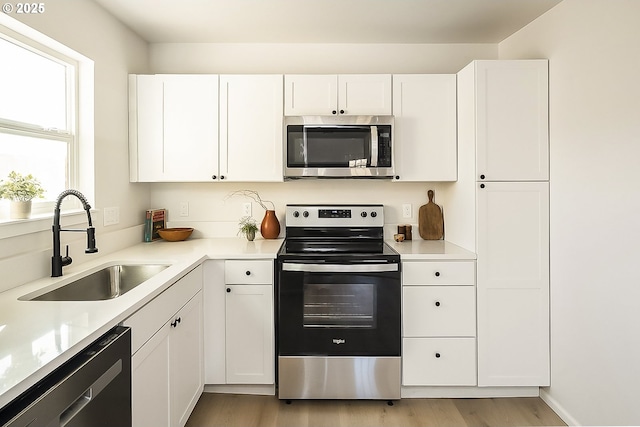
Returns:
(231,410)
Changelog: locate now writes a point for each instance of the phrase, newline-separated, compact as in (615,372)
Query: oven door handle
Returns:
(339,268)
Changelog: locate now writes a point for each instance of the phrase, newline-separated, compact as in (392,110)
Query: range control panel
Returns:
(334,215)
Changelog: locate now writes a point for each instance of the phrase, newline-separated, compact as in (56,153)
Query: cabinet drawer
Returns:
(439,273)
(439,361)
(438,311)
(241,272)
(145,322)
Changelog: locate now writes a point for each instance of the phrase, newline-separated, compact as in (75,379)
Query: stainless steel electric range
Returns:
(338,305)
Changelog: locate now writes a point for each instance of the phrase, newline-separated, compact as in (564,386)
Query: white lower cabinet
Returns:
(438,323)
(167,355)
(249,334)
(513,284)
(239,325)
(439,311)
(150,381)
(186,372)
(439,361)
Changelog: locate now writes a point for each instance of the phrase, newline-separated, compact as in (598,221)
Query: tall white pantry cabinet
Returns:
(501,211)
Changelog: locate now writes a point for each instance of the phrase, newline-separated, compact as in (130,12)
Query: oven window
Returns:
(339,305)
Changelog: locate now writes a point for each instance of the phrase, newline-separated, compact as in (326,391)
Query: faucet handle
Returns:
(66,260)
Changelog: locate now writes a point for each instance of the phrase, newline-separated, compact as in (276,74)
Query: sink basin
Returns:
(107,283)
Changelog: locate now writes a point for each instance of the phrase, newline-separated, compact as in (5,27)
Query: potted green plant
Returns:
(270,226)
(20,190)
(248,227)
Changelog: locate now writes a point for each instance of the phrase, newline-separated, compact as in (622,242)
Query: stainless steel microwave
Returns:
(339,147)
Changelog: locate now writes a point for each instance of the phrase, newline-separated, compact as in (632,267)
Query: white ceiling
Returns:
(326,21)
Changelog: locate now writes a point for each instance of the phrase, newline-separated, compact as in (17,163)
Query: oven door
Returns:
(339,309)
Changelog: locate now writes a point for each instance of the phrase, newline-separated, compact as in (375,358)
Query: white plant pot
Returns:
(19,210)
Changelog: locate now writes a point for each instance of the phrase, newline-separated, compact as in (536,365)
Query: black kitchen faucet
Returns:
(57,261)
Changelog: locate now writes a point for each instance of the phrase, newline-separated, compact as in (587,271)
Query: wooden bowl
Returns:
(175,234)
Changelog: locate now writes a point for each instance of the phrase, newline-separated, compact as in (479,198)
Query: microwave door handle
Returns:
(374,146)
(305,148)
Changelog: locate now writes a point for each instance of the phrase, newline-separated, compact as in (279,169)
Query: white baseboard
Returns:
(558,408)
(267,389)
(467,392)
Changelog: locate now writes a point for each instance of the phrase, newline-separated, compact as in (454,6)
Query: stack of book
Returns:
(155,220)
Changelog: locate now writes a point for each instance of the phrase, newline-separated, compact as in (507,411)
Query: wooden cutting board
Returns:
(430,222)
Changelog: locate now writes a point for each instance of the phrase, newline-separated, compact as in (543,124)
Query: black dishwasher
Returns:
(91,389)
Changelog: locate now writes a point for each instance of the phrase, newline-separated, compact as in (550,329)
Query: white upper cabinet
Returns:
(347,94)
(173,127)
(512,120)
(251,128)
(310,95)
(424,107)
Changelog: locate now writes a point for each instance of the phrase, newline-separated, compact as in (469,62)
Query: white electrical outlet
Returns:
(184,208)
(406,210)
(111,216)
(246,209)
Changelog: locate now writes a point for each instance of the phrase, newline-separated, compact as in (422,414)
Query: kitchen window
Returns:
(43,130)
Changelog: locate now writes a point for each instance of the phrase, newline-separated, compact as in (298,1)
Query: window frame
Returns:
(80,125)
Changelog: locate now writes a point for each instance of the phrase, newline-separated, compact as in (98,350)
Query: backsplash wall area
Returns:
(212,213)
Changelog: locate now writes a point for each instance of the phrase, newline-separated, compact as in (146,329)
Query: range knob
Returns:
(374,214)
(305,214)
(296,214)
(363,214)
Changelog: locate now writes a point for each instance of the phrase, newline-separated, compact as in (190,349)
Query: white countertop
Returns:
(38,336)
(430,250)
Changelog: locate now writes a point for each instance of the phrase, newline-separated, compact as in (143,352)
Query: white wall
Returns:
(211,214)
(239,58)
(594,94)
(116,51)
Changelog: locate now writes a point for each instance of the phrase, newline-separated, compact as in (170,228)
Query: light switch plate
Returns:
(406,210)
(111,216)
(184,208)
(246,209)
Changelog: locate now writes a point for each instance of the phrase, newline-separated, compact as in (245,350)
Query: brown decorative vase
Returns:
(270,226)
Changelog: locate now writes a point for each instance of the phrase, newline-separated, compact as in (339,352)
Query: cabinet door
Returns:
(310,95)
(512,120)
(186,360)
(364,94)
(150,382)
(438,362)
(513,283)
(190,145)
(173,132)
(251,128)
(438,311)
(214,320)
(249,334)
(424,107)
(146,158)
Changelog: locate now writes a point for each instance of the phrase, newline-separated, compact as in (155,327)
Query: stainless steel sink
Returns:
(107,283)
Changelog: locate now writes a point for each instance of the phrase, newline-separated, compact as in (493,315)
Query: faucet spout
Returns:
(57,261)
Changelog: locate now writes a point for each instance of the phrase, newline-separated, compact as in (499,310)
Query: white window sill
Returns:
(42,222)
